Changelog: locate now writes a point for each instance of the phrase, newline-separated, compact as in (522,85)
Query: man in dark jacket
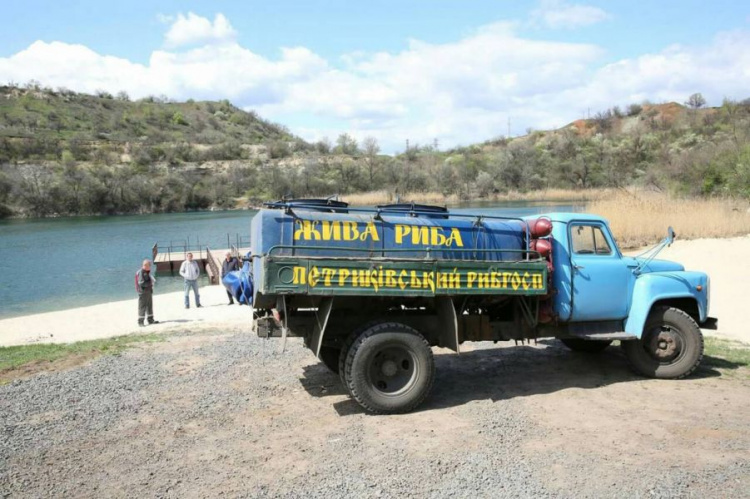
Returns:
(229,264)
(144,286)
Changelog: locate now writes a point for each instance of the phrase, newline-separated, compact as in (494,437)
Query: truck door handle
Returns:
(578,267)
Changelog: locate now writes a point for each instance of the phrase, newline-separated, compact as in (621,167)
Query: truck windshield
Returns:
(589,240)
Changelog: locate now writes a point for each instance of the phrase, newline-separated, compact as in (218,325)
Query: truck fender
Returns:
(657,286)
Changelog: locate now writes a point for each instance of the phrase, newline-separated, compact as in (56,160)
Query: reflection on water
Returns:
(53,264)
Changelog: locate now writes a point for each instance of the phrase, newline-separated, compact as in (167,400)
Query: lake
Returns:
(59,263)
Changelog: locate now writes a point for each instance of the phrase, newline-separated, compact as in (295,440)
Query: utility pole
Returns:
(436,144)
(407,145)
(508,126)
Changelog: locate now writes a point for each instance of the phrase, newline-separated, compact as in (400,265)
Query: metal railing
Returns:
(178,248)
(181,247)
(239,241)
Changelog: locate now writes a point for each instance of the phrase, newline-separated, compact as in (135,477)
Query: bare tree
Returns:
(371,148)
(696,101)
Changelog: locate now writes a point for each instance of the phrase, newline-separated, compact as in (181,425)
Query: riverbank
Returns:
(119,318)
(723,259)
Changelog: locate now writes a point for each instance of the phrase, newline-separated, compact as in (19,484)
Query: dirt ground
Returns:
(218,412)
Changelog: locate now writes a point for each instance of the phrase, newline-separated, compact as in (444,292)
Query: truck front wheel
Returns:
(671,346)
(389,368)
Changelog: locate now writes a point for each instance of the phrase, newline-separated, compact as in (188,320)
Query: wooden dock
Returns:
(170,258)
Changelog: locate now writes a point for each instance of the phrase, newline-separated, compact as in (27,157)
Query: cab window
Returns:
(589,240)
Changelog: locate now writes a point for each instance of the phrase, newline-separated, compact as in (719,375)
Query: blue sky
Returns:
(393,70)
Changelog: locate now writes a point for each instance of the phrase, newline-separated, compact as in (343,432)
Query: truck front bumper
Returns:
(710,323)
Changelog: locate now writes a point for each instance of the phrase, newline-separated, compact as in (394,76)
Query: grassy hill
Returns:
(44,113)
(667,147)
(64,153)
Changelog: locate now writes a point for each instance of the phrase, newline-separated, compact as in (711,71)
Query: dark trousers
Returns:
(231,298)
(146,306)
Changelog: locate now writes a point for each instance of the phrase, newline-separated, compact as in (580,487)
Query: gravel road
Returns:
(222,413)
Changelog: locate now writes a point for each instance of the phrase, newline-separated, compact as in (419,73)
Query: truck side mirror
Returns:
(670,236)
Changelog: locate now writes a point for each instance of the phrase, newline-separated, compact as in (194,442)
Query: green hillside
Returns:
(44,113)
(63,153)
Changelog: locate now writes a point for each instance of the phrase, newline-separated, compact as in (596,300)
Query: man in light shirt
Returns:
(190,271)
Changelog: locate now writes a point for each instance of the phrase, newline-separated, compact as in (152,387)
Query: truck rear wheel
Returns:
(345,350)
(581,345)
(389,368)
(671,346)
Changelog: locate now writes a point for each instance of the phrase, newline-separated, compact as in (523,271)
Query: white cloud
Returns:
(192,29)
(558,14)
(458,92)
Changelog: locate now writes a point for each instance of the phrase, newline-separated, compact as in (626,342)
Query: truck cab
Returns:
(650,305)
(372,290)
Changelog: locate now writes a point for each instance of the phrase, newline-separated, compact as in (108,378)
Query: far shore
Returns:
(373,198)
(723,259)
(125,214)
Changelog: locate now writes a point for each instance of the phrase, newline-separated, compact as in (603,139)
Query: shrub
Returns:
(634,109)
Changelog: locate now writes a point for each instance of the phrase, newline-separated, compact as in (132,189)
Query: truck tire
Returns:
(347,345)
(329,356)
(589,346)
(389,368)
(671,346)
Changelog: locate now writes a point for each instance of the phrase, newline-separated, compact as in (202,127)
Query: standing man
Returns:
(229,264)
(190,271)
(144,286)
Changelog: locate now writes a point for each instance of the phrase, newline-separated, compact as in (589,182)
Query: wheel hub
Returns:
(389,368)
(393,370)
(665,345)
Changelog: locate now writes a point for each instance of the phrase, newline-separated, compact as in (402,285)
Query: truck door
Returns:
(599,275)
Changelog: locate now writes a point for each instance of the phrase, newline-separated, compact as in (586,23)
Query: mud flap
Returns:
(321,321)
(446,313)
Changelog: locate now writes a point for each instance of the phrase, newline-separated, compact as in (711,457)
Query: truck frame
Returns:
(372,314)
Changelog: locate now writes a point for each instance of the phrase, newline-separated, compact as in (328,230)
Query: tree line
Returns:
(687,150)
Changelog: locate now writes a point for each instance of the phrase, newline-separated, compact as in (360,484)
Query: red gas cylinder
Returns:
(541,246)
(541,227)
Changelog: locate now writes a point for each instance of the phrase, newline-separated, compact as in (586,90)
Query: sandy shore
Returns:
(120,317)
(725,260)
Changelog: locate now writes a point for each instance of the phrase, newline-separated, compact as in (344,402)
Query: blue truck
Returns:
(371,290)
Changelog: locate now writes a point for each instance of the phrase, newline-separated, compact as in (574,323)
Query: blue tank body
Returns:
(310,231)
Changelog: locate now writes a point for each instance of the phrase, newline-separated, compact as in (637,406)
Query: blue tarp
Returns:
(240,284)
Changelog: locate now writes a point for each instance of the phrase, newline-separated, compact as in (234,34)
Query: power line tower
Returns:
(436,144)
(508,126)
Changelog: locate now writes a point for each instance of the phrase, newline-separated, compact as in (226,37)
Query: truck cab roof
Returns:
(567,217)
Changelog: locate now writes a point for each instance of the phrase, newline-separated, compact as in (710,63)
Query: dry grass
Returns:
(564,195)
(642,219)
(556,195)
(373,198)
